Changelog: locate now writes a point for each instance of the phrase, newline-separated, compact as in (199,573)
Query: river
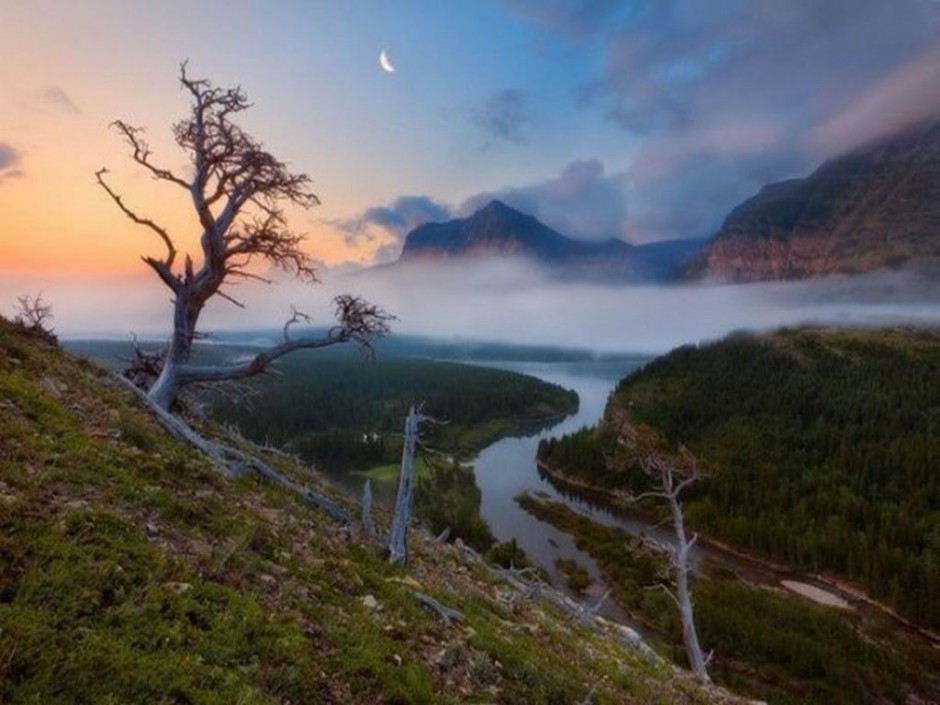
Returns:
(508,467)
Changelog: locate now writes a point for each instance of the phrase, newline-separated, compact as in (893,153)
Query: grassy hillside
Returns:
(824,447)
(131,572)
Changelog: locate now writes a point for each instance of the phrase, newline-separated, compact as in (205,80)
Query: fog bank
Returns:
(508,302)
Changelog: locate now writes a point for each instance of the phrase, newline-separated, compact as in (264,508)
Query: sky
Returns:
(638,119)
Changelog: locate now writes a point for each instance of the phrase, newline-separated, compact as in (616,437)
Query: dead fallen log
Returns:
(232,461)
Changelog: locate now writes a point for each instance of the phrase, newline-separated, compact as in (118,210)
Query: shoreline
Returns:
(619,503)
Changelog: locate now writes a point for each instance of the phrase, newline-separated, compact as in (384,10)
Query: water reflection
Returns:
(508,467)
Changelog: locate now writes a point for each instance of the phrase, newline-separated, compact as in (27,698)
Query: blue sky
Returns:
(638,119)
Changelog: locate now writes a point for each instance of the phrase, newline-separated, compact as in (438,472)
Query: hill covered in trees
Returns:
(132,571)
(823,448)
(322,406)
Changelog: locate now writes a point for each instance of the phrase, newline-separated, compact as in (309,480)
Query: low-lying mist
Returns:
(513,302)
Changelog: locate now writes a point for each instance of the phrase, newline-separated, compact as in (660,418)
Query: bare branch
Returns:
(141,153)
(145,366)
(33,316)
(448,614)
(167,263)
(665,589)
(361,322)
(259,363)
(296,317)
(230,299)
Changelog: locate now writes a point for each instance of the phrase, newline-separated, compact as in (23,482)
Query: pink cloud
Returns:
(909,95)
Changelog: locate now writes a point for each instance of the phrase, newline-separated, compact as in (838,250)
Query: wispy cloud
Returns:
(726,95)
(578,18)
(504,115)
(391,223)
(56,97)
(10,160)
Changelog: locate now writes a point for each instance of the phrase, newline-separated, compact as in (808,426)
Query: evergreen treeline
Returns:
(824,447)
(343,413)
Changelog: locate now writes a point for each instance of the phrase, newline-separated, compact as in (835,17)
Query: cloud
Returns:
(515,302)
(58,98)
(583,202)
(578,18)
(726,95)
(905,97)
(388,225)
(10,160)
(504,115)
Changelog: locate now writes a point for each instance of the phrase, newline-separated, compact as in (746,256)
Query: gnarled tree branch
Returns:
(239,193)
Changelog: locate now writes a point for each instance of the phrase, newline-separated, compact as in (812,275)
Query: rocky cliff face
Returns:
(878,206)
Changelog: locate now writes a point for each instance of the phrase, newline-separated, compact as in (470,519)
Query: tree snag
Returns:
(669,482)
(398,536)
(33,316)
(238,193)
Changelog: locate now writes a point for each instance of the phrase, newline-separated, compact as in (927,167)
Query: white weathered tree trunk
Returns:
(367,526)
(697,660)
(669,482)
(398,537)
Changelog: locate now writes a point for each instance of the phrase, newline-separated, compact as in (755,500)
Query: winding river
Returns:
(508,467)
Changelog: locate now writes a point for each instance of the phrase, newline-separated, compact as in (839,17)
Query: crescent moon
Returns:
(385,62)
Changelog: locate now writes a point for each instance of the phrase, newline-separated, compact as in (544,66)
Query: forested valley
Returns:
(822,448)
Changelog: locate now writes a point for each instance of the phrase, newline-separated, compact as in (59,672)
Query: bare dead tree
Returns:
(589,612)
(398,536)
(238,193)
(33,316)
(670,479)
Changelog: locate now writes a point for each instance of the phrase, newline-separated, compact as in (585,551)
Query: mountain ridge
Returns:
(870,208)
(499,231)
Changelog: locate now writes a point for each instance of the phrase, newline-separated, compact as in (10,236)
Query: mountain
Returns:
(497,231)
(877,206)
(133,571)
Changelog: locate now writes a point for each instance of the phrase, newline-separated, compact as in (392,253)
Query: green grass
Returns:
(131,571)
(389,473)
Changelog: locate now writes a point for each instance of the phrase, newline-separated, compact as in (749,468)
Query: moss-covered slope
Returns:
(132,572)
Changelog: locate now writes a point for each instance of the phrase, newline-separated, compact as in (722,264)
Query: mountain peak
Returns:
(499,230)
(497,206)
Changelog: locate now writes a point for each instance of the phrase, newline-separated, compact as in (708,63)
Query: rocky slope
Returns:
(132,571)
(878,206)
